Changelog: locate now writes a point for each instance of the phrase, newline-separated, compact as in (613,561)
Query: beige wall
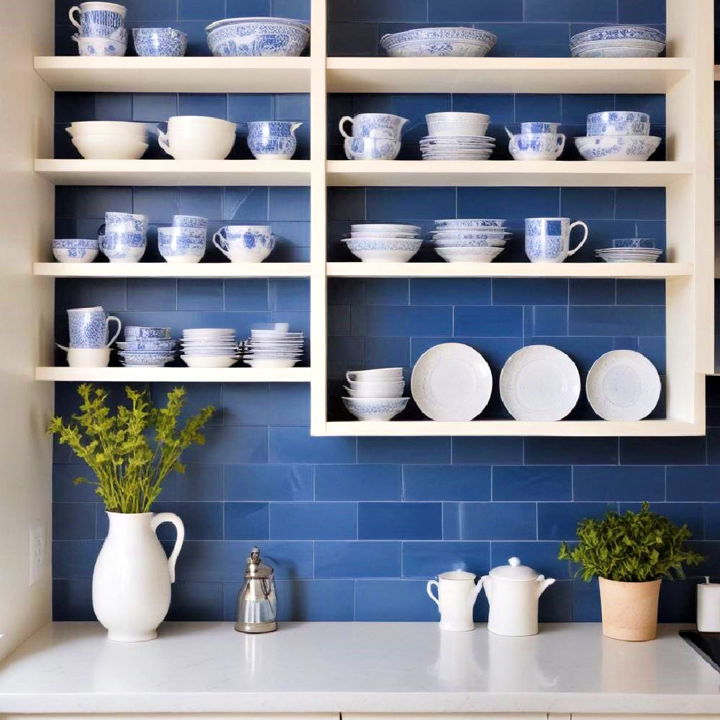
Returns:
(26,224)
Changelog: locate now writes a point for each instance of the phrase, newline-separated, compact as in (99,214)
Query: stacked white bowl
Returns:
(626,250)
(209,347)
(375,394)
(457,136)
(109,139)
(383,242)
(470,239)
(619,135)
(618,41)
(273,346)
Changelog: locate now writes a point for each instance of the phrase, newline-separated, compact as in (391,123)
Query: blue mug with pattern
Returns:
(374,125)
(548,239)
(272,139)
(99,19)
(90,328)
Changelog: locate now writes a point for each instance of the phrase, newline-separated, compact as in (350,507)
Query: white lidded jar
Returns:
(513,591)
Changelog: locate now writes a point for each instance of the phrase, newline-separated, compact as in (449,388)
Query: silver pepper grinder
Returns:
(257,601)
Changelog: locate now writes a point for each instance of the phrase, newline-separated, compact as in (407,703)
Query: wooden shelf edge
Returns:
(174,374)
(165,270)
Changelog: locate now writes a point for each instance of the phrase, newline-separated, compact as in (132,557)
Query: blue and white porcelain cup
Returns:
(245,243)
(190,221)
(539,127)
(125,222)
(272,139)
(159,42)
(374,125)
(367,148)
(75,250)
(536,146)
(90,328)
(618,122)
(123,246)
(182,245)
(99,19)
(548,239)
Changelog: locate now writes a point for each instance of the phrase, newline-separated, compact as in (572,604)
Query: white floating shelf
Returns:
(564,428)
(510,270)
(175,172)
(173,374)
(171,74)
(505,75)
(565,173)
(167,270)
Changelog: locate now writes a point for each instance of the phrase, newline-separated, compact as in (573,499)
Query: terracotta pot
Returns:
(629,609)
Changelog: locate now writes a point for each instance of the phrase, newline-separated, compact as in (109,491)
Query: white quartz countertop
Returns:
(355,667)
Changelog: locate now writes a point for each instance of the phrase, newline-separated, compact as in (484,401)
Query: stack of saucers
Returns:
(273,346)
(457,147)
(626,250)
(209,348)
(384,242)
(146,346)
(469,239)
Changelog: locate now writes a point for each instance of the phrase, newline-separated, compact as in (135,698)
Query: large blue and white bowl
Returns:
(159,42)
(618,32)
(439,42)
(621,148)
(375,409)
(618,122)
(240,37)
(75,250)
(384,249)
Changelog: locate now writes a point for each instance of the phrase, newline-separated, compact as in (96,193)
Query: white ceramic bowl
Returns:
(377,409)
(99,46)
(384,228)
(109,147)
(468,254)
(384,250)
(375,374)
(137,130)
(468,242)
(272,362)
(208,361)
(375,388)
(622,148)
(474,223)
(447,124)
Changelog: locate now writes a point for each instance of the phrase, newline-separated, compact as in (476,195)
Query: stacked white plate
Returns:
(273,346)
(628,255)
(469,239)
(457,147)
(383,242)
(209,347)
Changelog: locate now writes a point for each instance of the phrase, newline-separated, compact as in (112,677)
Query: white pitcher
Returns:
(456,595)
(132,577)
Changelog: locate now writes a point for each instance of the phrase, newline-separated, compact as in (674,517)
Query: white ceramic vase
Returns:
(132,577)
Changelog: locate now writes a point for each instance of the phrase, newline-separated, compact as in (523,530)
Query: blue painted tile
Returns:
(268,482)
(571,451)
(393,601)
(210,105)
(711,521)
(249,8)
(378,10)
(450,291)
(469,11)
(288,404)
(154,107)
(243,205)
(487,322)
(203,201)
(64,488)
(245,108)
(200,481)
(399,521)
(200,9)
(399,321)
(490,451)
(550,320)
(623,482)
(540,555)
(683,513)
(198,396)
(74,558)
(592,292)
(314,600)
(294,444)
(289,203)
(498,521)
(113,106)
(387,291)
(586,601)
(246,520)
(606,320)
(202,520)
(246,294)
(643,12)
(658,451)
(111,294)
(576,108)
(500,107)
(358,482)
(587,203)
(386,352)
(72,600)
(508,202)
(407,204)
(699,483)
(531,106)
(521,291)
(532,483)
(403,450)
(313,521)
(451,520)
(677,601)
(73,521)
(72,107)
(523,39)
(151,294)
(462,482)
(640,203)
(196,601)
(200,295)
(641,292)
(559,521)
(357,559)
(427,559)
(601,11)
(653,105)
(231,445)
(158,203)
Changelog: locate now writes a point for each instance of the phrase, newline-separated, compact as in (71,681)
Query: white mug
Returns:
(456,595)
(196,137)
(87,357)
(548,239)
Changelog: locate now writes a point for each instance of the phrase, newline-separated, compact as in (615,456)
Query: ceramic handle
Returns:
(485,583)
(560,145)
(220,242)
(343,120)
(578,223)
(164,143)
(161,518)
(119,328)
(295,126)
(428,588)
(509,134)
(71,15)
(62,347)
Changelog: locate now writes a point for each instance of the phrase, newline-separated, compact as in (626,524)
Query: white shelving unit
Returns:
(687,175)
(170,374)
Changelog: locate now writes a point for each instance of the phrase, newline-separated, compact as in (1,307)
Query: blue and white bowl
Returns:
(618,122)
(190,221)
(617,148)
(259,36)
(394,250)
(475,223)
(532,128)
(146,359)
(537,146)
(633,243)
(618,32)
(181,245)
(141,331)
(123,247)
(75,250)
(126,222)
(147,345)
(375,409)
(439,42)
(367,148)
(99,46)
(159,42)
(272,139)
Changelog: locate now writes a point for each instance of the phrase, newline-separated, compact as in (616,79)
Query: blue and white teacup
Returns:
(123,246)
(182,245)
(99,19)
(374,125)
(536,146)
(539,127)
(90,328)
(367,148)
(99,46)
(190,221)
(618,122)
(75,250)
(633,243)
(125,222)
(140,331)
(245,243)
(159,42)
(272,139)
(548,239)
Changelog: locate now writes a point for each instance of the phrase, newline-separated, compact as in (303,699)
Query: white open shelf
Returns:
(168,270)
(174,75)
(175,172)
(172,374)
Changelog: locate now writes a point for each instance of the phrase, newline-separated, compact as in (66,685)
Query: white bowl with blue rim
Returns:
(618,32)
(75,250)
(375,409)
(620,148)
(272,139)
(439,42)
(182,245)
(257,36)
(381,249)
(159,42)
(618,122)
(99,46)
(618,41)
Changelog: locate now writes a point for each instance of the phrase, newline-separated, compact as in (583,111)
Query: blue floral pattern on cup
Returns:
(126,222)
(362,148)
(190,221)
(123,246)
(159,42)
(261,37)
(272,138)
(539,127)
(373,125)
(140,331)
(104,21)
(548,239)
(75,249)
(89,327)
(181,243)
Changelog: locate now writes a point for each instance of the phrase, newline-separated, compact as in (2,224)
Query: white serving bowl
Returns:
(450,124)
(393,374)
(468,254)
(257,36)
(375,388)
(109,147)
(377,409)
(137,130)
(384,250)
(208,361)
(383,238)
(621,148)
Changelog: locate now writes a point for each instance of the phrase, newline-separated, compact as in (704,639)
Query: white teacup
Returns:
(382,374)
(196,137)
(376,389)
(88,357)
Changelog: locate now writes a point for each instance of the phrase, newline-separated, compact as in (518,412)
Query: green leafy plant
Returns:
(131,451)
(632,547)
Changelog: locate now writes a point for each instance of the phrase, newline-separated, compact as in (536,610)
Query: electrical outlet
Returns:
(37,553)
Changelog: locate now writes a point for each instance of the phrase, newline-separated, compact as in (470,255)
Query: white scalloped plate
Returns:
(451,382)
(623,385)
(539,383)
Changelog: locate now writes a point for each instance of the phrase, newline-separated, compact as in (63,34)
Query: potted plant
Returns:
(131,452)
(630,553)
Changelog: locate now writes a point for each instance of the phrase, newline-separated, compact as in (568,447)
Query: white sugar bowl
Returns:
(513,591)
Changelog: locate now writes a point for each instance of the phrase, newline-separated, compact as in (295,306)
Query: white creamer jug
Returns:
(456,595)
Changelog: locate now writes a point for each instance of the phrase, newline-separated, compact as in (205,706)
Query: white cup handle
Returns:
(294,127)
(509,134)
(62,347)
(343,120)
(428,588)
(560,147)
(161,518)
(119,328)
(578,223)
(350,376)
(164,143)
(220,243)
(71,15)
